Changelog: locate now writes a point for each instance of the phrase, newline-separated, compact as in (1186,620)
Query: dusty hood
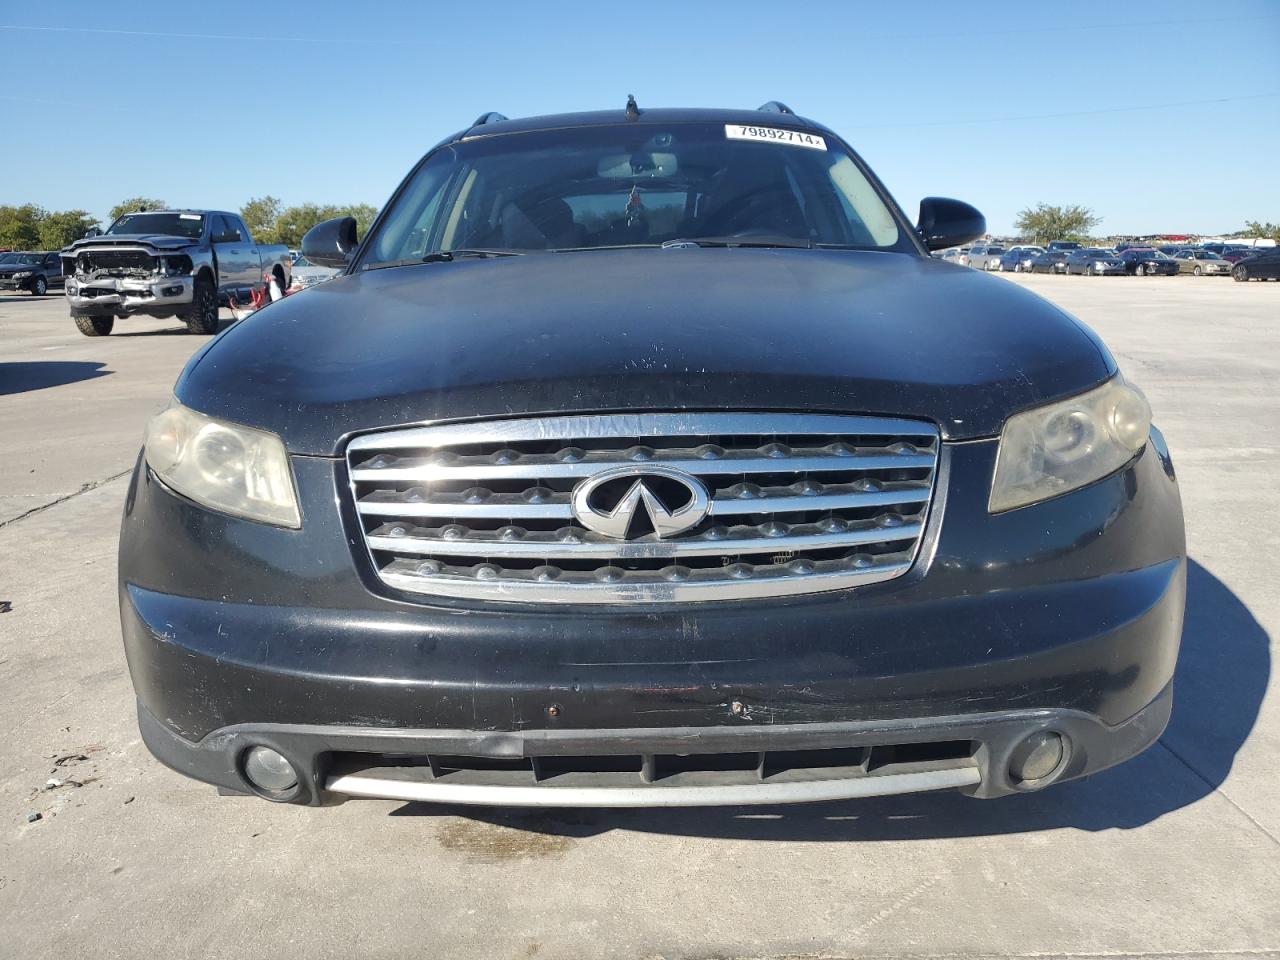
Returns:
(875,333)
(158,240)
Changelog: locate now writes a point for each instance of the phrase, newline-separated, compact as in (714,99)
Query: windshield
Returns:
(26,259)
(169,224)
(632,185)
(1207,255)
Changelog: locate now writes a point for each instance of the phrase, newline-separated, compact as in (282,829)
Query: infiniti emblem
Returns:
(612,501)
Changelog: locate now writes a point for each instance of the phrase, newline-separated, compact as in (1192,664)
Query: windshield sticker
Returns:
(188,216)
(795,138)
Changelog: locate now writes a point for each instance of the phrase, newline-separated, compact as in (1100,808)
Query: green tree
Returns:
(64,227)
(1046,222)
(260,215)
(20,226)
(134,204)
(294,222)
(1254,230)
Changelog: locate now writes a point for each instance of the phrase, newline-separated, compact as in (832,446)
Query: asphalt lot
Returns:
(1174,853)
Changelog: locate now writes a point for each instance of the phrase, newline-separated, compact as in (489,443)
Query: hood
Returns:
(689,329)
(160,241)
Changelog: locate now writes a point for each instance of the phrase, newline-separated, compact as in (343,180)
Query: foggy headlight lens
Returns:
(23,275)
(1068,444)
(224,466)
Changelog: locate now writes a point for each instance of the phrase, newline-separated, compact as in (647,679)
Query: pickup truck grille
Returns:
(720,506)
(115,262)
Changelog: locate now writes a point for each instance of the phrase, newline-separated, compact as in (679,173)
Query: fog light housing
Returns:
(269,771)
(1037,758)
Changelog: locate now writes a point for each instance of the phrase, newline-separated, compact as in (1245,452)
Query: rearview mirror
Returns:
(949,223)
(634,166)
(330,243)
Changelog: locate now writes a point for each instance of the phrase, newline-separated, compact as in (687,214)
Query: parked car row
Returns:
(1068,257)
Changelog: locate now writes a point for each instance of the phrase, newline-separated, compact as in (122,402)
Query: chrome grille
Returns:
(797,504)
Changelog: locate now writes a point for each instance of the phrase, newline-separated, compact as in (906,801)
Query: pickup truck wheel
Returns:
(92,326)
(40,287)
(203,315)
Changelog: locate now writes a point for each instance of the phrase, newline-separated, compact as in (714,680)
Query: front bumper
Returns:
(1066,614)
(704,766)
(129,295)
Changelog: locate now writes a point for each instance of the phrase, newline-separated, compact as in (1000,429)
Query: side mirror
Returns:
(331,243)
(229,237)
(949,223)
(93,232)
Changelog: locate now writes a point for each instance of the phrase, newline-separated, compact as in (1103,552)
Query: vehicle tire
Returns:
(1197,271)
(203,315)
(1240,274)
(94,326)
(40,287)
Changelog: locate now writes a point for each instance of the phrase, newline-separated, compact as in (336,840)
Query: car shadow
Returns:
(24,376)
(15,297)
(177,331)
(1218,690)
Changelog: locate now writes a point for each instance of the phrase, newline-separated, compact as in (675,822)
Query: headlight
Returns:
(224,466)
(1065,445)
(23,275)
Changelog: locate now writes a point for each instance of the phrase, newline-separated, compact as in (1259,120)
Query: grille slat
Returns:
(423,471)
(794,504)
(537,545)
(512,507)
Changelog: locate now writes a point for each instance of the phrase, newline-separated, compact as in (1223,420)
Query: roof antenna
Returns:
(633,112)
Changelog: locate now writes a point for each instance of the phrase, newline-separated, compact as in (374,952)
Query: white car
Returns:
(307,274)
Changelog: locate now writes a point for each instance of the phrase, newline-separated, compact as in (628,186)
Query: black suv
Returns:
(34,272)
(645,457)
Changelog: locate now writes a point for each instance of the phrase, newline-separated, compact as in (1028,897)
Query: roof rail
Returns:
(775,106)
(490,117)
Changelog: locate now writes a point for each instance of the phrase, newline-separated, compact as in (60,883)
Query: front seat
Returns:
(540,225)
(752,196)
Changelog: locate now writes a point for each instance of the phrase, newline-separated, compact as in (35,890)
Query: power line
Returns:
(1055,116)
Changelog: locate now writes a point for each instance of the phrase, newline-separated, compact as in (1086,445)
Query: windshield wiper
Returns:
(752,241)
(443,256)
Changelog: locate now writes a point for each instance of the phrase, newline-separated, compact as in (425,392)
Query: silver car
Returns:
(1202,263)
(986,257)
(307,274)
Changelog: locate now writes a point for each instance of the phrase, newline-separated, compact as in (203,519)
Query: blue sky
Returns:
(190,102)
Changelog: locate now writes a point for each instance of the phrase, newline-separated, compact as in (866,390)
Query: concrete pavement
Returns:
(1174,853)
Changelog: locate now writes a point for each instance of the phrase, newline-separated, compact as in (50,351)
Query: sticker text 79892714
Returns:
(794,138)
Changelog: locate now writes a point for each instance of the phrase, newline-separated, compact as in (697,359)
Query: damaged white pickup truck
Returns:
(168,263)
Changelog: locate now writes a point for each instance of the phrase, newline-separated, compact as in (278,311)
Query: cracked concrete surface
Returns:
(1174,854)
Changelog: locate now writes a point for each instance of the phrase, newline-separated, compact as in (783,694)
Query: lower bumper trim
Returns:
(335,763)
(814,791)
